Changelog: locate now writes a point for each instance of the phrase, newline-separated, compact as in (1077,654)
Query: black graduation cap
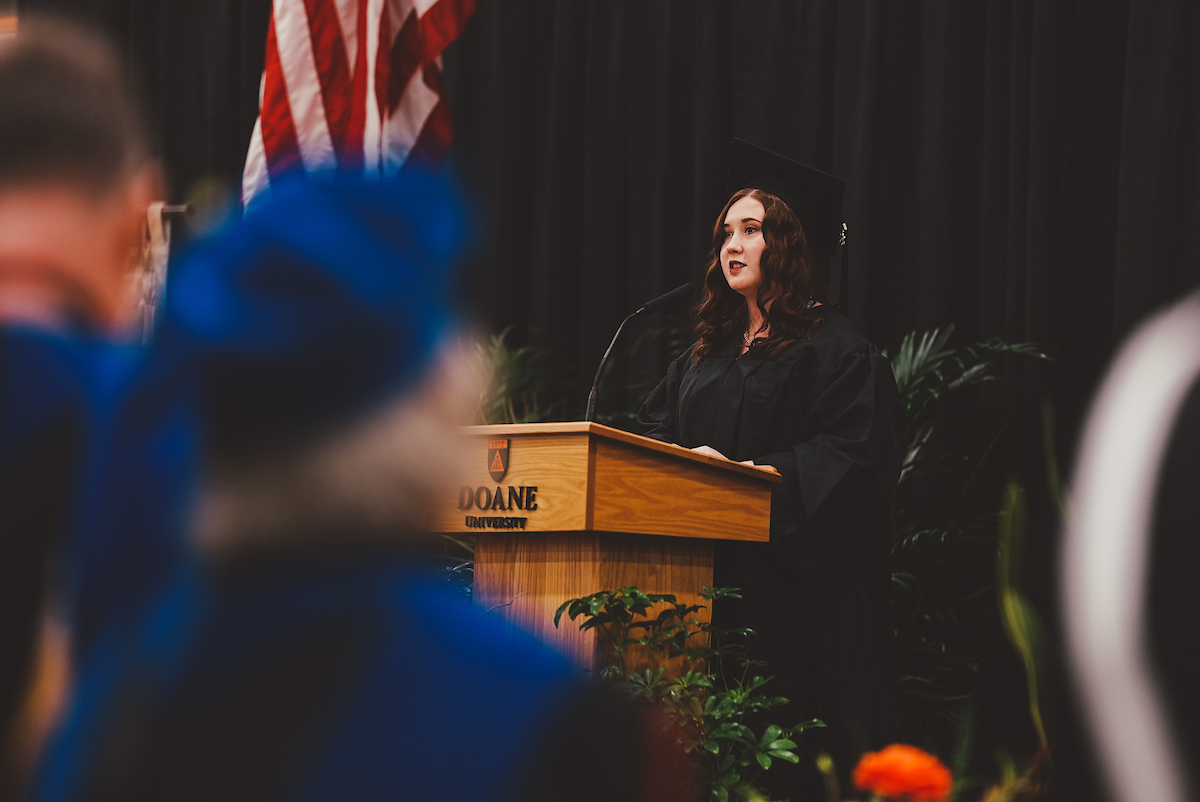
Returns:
(814,196)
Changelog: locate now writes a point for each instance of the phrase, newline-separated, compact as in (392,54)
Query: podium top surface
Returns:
(765,473)
(583,477)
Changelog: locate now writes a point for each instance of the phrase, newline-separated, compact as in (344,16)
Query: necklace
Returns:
(747,339)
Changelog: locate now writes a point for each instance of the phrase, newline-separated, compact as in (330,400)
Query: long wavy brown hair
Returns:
(788,282)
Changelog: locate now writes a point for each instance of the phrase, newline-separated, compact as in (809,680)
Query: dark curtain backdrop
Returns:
(1028,170)
(198,64)
(1016,169)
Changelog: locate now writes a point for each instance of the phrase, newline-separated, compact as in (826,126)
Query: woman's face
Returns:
(742,252)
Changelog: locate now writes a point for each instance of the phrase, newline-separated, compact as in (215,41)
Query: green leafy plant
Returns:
(928,374)
(710,700)
(950,612)
(946,528)
(522,386)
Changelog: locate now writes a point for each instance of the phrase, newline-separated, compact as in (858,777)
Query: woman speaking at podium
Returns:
(778,377)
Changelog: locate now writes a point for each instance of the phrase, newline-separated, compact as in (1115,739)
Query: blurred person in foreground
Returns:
(308,354)
(76,176)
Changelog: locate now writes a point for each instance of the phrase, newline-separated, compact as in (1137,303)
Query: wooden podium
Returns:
(561,510)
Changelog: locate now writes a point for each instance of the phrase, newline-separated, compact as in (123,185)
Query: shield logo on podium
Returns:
(497,458)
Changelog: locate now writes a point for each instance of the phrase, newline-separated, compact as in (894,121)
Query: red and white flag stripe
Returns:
(353,86)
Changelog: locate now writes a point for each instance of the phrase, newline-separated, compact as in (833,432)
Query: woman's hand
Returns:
(712,452)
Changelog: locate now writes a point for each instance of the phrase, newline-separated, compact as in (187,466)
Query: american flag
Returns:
(353,86)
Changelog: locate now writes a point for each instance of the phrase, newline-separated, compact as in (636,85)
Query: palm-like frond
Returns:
(944,540)
(928,373)
(520,383)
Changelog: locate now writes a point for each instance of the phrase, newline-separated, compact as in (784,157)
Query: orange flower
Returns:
(903,772)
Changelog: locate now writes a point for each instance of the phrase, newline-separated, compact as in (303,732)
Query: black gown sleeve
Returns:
(659,416)
(853,423)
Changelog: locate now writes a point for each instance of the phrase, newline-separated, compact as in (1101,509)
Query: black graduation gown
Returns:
(825,413)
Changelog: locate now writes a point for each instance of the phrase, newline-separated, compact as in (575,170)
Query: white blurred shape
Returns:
(1106,552)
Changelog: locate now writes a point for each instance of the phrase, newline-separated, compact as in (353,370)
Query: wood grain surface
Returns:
(634,491)
(613,510)
(593,478)
(765,472)
(523,578)
(672,565)
(556,465)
